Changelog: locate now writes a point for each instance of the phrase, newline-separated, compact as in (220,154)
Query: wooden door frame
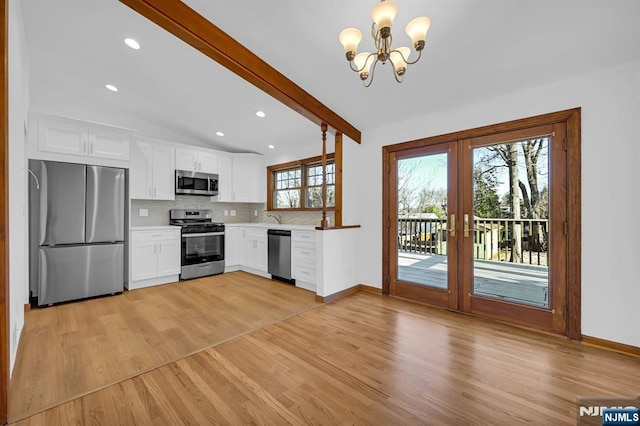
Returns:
(572,118)
(4,221)
(445,298)
(551,318)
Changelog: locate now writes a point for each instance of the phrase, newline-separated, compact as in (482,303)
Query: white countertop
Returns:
(153,228)
(275,226)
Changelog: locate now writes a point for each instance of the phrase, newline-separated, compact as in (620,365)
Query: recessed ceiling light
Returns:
(261,114)
(271,147)
(111,87)
(219,133)
(132,43)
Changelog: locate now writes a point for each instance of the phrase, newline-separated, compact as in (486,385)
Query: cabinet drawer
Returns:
(255,232)
(303,273)
(303,236)
(303,250)
(138,236)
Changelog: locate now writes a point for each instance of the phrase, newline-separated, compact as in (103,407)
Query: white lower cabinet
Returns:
(231,249)
(155,257)
(246,248)
(253,246)
(303,259)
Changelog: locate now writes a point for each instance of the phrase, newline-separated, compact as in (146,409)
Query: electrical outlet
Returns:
(226,212)
(143,212)
(255,212)
(233,212)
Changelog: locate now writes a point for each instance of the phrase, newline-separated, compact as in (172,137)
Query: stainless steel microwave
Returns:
(193,183)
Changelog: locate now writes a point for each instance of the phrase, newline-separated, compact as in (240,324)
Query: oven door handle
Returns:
(203,234)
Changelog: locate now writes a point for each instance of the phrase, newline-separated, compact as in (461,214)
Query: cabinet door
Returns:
(207,162)
(164,173)
(62,137)
(256,249)
(144,260)
(104,143)
(262,255)
(225,178)
(186,159)
(169,257)
(140,171)
(231,246)
(243,246)
(242,179)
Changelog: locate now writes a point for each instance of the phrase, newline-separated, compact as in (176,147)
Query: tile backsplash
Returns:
(158,212)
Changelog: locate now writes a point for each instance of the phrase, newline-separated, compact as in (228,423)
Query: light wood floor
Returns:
(69,350)
(364,359)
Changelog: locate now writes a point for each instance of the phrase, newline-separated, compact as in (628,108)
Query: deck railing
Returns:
(506,240)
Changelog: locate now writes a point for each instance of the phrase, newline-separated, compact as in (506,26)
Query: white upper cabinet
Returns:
(242,178)
(225,177)
(196,161)
(108,144)
(62,139)
(152,172)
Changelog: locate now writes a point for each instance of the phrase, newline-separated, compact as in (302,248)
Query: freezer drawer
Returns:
(75,272)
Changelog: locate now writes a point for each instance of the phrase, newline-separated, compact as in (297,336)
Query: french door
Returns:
(478,223)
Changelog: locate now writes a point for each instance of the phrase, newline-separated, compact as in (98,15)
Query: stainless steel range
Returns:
(202,243)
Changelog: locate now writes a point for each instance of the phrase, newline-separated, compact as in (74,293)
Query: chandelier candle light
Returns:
(365,63)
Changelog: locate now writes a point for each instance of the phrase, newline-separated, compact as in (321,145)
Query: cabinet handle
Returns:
(305,252)
(155,249)
(150,192)
(90,147)
(83,146)
(155,191)
(159,248)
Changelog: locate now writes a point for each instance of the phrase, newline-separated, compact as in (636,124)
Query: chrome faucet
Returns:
(277,217)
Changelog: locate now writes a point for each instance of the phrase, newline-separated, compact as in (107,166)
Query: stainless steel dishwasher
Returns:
(279,267)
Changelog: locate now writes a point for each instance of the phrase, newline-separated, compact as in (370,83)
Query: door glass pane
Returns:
(510,224)
(422,220)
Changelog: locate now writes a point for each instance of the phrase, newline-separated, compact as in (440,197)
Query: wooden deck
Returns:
(514,282)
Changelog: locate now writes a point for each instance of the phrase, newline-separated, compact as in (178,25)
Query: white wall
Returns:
(610,101)
(18,106)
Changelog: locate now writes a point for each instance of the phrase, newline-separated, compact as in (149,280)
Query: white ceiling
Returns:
(476,49)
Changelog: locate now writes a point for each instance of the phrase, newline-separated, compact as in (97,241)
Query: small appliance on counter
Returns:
(202,252)
(76,231)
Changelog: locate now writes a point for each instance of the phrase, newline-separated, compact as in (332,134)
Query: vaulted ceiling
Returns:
(475,50)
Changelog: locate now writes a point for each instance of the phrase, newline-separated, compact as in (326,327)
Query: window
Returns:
(298,185)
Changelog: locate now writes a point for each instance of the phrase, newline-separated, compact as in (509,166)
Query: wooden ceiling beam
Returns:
(191,27)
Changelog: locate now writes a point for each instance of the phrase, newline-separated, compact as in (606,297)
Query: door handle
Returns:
(466,225)
(452,225)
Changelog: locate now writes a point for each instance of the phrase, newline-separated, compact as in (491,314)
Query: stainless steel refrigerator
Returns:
(76,227)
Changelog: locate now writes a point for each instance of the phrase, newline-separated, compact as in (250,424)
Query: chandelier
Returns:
(365,63)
